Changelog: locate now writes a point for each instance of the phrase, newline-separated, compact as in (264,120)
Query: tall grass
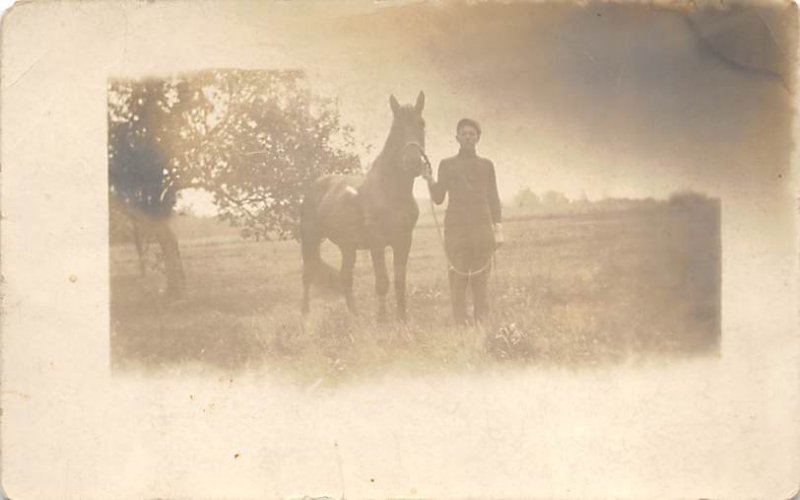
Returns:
(576,291)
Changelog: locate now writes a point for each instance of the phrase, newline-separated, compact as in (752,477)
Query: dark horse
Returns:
(372,211)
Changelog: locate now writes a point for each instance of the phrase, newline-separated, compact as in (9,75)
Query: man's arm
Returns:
(438,189)
(495,208)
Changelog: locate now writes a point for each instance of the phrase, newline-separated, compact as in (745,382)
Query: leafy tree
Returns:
(254,139)
(554,200)
(526,198)
(142,177)
(276,138)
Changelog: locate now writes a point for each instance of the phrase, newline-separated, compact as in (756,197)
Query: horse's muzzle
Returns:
(418,165)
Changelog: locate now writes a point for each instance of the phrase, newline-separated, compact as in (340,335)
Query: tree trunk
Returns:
(139,239)
(176,279)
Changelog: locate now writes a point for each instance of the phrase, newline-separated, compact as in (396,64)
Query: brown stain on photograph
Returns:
(617,132)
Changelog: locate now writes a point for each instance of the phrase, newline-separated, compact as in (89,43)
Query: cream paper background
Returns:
(707,427)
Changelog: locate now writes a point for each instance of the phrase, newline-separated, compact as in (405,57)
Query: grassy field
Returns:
(572,291)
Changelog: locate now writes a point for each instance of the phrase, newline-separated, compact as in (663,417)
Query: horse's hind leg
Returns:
(348,263)
(381,280)
(311,262)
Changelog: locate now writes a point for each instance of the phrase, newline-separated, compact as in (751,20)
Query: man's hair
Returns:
(468,122)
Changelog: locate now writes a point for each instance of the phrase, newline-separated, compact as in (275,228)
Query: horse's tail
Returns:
(315,270)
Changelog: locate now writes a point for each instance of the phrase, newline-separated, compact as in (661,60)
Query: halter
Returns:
(419,147)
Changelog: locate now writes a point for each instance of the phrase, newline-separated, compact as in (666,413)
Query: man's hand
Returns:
(498,235)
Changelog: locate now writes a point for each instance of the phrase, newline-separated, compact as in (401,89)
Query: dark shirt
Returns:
(472,187)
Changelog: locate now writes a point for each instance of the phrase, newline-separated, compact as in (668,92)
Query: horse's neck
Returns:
(388,170)
(391,155)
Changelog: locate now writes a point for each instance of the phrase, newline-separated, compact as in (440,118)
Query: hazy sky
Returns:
(606,100)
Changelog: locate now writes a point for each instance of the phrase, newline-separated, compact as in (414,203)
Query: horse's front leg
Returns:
(348,263)
(378,255)
(400,251)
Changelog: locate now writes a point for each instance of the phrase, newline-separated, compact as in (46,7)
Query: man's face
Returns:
(467,137)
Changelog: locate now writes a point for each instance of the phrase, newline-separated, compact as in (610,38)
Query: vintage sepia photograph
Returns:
(538,197)
(399,249)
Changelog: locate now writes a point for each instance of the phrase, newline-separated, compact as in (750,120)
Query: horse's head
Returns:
(409,127)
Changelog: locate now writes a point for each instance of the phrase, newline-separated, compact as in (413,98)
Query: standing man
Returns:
(472,227)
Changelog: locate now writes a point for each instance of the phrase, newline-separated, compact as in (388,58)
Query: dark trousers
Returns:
(469,249)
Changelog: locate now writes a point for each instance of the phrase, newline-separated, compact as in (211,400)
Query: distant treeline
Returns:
(189,226)
(554,202)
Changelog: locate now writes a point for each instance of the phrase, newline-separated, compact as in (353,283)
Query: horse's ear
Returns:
(394,104)
(420,102)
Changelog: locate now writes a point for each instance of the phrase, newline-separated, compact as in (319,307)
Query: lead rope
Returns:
(450,267)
